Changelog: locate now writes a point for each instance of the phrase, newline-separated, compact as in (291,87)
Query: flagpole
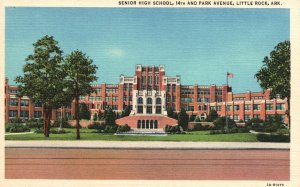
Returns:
(226,102)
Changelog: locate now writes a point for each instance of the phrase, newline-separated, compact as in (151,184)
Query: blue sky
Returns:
(199,44)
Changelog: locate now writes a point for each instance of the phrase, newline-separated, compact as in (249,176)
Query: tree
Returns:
(220,123)
(84,112)
(80,74)
(43,79)
(183,119)
(275,74)
(171,113)
(213,115)
(192,117)
(110,117)
(95,117)
(126,111)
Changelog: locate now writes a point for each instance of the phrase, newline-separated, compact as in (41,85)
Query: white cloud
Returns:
(115,52)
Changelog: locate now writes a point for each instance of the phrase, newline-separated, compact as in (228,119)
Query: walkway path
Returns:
(147,145)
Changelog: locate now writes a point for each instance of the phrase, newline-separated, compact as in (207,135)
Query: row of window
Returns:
(173,87)
(150,79)
(171,99)
(147,124)
(200,92)
(247,107)
(24,114)
(140,101)
(140,109)
(149,87)
(23,102)
(247,117)
(128,86)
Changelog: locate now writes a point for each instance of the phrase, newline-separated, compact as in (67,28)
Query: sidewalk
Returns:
(82,144)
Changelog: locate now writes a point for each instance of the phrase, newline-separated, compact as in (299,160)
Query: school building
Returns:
(148,93)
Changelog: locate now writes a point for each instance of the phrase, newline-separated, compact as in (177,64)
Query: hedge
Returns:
(273,138)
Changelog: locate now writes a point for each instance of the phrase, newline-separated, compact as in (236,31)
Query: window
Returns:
(219,108)
(256,116)
(107,99)
(236,107)
(149,101)
(130,87)
(143,79)
(58,115)
(236,117)
(212,108)
(149,79)
(140,100)
(228,107)
(219,99)
(140,109)
(13,102)
(24,113)
(174,99)
(38,104)
(158,101)
(130,98)
(149,110)
(115,99)
(13,113)
(98,98)
(158,109)
(114,107)
(190,108)
(156,79)
(168,99)
(246,117)
(37,114)
(125,87)
(282,118)
(174,87)
(168,87)
(256,107)
(68,115)
(247,107)
(81,97)
(98,90)
(24,102)
(269,106)
(219,92)
(280,106)
(13,91)
(91,98)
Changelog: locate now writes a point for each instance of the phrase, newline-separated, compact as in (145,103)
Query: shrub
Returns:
(110,129)
(220,123)
(39,131)
(57,131)
(243,130)
(34,124)
(15,127)
(172,129)
(123,128)
(96,125)
(16,120)
(200,127)
(65,124)
(273,138)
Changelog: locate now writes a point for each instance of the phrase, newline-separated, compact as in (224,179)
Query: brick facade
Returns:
(152,80)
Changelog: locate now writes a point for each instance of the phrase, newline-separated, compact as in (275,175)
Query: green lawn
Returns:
(87,134)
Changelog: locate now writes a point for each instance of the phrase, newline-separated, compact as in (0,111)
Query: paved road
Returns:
(58,163)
